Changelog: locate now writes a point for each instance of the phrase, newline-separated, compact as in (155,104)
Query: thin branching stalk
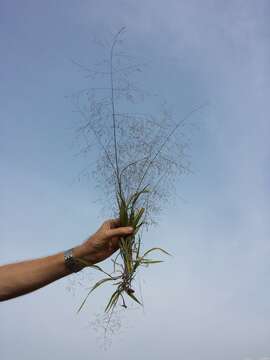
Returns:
(113,107)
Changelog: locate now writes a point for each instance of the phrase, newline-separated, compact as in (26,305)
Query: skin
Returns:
(24,277)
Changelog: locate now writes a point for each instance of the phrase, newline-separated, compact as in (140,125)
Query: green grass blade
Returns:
(148,261)
(123,214)
(92,289)
(133,297)
(137,217)
(88,264)
(134,198)
(156,249)
(113,300)
(138,247)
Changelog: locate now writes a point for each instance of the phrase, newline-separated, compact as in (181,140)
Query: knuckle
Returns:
(107,233)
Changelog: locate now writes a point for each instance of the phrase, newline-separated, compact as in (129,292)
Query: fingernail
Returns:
(130,228)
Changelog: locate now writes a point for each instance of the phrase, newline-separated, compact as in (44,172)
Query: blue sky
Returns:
(211,300)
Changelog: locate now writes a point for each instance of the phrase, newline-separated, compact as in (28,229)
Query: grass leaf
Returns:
(156,249)
(92,289)
(148,261)
(113,300)
(133,297)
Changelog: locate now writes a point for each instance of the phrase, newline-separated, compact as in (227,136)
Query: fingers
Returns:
(113,228)
(120,231)
(114,223)
(111,223)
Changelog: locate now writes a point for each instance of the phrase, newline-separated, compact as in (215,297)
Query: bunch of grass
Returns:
(129,252)
(133,182)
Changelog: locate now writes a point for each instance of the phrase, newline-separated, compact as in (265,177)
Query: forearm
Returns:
(24,277)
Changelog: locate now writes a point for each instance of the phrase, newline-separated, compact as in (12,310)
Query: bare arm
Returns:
(24,277)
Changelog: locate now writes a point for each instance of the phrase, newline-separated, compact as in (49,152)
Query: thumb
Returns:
(120,231)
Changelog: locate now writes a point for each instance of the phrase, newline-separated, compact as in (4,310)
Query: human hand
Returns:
(103,243)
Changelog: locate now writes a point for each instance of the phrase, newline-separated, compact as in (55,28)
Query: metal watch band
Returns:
(71,263)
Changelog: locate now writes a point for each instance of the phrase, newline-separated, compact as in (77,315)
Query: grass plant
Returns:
(137,164)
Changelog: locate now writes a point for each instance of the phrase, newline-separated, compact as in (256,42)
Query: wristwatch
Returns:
(71,262)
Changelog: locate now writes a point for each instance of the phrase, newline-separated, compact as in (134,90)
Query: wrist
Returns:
(84,253)
(79,251)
